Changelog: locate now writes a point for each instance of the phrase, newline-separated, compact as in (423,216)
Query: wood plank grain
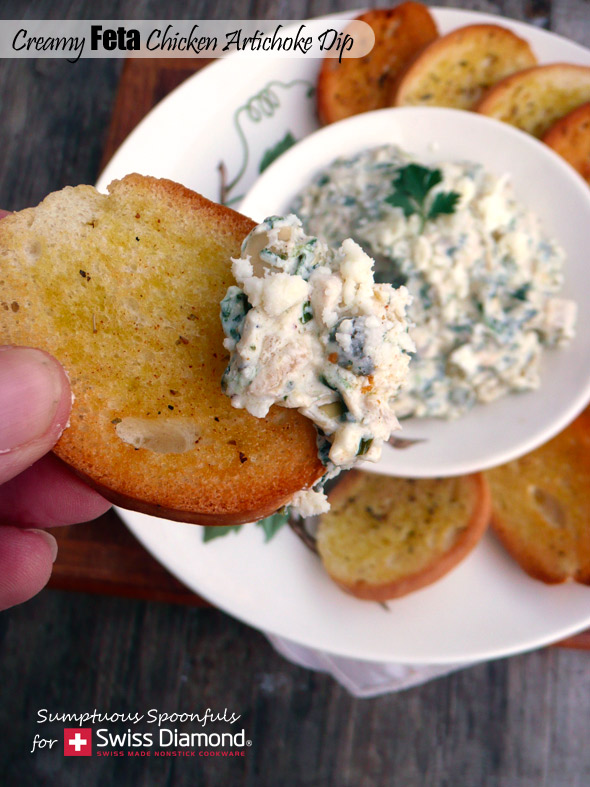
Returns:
(571,18)
(519,722)
(103,557)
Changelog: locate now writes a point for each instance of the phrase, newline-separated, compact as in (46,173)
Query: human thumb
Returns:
(35,403)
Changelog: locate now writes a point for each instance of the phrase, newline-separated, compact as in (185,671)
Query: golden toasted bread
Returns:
(455,70)
(385,537)
(361,84)
(536,97)
(125,291)
(541,506)
(570,137)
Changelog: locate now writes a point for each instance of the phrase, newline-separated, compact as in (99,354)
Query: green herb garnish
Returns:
(412,185)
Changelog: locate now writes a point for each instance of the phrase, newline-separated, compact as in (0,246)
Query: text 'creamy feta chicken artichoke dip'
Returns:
(308,328)
(482,274)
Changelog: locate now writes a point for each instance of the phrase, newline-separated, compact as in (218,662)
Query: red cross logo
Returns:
(78,742)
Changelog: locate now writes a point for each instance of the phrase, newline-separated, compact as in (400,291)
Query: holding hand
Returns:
(37,491)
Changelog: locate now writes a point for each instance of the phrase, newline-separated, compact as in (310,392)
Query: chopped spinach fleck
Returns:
(234,308)
(522,292)
(324,446)
(307,313)
(364,446)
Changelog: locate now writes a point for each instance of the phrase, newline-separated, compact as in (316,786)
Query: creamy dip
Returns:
(484,278)
(308,328)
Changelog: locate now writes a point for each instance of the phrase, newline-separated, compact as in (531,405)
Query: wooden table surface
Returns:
(520,721)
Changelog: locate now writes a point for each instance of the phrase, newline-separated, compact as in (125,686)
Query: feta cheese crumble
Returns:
(308,328)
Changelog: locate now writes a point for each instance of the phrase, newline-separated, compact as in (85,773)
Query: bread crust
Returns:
(535,98)
(570,137)
(264,509)
(517,550)
(457,68)
(466,540)
(541,507)
(148,345)
(360,85)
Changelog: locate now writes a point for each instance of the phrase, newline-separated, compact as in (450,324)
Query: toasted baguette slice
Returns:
(455,70)
(570,137)
(535,98)
(541,506)
(385,537)
(125,291)
(361,84)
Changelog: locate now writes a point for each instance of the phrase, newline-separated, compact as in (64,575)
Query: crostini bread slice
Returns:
(541,506)
(358,85)
(570,137)
(456,69)
(385,537)
(535,98)
(125,291)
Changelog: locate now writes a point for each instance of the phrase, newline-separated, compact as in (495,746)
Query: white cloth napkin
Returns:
(362,678)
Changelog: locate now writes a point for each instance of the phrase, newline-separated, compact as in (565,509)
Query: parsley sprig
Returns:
(412,185)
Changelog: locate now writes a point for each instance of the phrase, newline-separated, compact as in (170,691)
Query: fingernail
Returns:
(30,391)
(48,537)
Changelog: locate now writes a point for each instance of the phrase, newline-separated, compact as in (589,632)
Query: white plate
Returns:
(546,184)
(487,607)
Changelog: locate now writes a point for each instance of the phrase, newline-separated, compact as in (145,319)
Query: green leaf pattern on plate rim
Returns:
(263,104)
